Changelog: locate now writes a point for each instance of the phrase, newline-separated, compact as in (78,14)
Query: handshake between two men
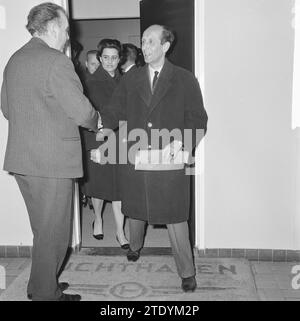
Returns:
(171,157)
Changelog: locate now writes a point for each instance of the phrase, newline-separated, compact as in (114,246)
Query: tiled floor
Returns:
(273,280)
(13,267)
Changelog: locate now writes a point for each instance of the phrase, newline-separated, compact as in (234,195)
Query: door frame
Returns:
(75,241)
(200,159)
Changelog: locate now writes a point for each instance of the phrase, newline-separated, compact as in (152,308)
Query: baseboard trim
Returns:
(11,251)
(259,255)
(111,251)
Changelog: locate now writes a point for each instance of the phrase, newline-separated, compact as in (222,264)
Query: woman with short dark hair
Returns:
(101,181)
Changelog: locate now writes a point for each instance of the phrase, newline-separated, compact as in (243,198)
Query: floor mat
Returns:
(152,278)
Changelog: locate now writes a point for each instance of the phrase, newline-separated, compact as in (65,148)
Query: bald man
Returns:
(158,96)
(92,63)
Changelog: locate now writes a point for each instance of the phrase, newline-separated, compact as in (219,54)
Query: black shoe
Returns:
(189,284)
(98,237)
(90,203)
(69,297)
(123,246)
(84,201)
(63,286)
(133,255)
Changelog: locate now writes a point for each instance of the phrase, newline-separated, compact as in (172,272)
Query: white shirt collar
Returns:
(128,68)
(152,72)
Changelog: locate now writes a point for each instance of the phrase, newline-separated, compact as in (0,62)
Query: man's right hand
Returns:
(96,156)
(100,136)
(103,133)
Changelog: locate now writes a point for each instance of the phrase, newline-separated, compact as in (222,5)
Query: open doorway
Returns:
(86,34)
(179,15)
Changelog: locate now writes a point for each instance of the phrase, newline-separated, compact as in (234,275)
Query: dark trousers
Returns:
(179,239)
(49,205)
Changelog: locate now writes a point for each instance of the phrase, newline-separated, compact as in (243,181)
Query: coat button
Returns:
(150,125)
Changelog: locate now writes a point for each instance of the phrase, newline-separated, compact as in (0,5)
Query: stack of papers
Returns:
(152,160)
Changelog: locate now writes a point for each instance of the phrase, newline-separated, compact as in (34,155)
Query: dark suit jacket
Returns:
(42,99)
(132,69)
(158,197)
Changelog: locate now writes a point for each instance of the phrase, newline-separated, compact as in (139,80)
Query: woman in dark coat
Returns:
(101,181)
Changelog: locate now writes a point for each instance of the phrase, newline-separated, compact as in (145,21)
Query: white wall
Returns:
(105,9)
(250,156)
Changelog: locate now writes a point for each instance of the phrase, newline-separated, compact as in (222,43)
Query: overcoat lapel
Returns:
(162,86)
(144,88)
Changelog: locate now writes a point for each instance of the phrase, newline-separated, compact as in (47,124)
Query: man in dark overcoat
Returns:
(158,96)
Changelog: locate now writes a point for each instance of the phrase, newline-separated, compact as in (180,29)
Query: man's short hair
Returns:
(40,15)
(129,52)
(167,35)
(91,52)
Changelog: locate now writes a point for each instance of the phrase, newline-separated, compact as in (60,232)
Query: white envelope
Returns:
(152,160)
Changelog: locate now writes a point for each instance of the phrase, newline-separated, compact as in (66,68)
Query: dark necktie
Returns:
(155,78)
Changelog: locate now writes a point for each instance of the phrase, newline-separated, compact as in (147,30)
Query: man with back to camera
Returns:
(129,57)
(158,96)
(42,99)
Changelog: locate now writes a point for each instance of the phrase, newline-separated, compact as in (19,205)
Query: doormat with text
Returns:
(151,278)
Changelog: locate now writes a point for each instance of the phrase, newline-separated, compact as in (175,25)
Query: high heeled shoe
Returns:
(98,237)
(124,246)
